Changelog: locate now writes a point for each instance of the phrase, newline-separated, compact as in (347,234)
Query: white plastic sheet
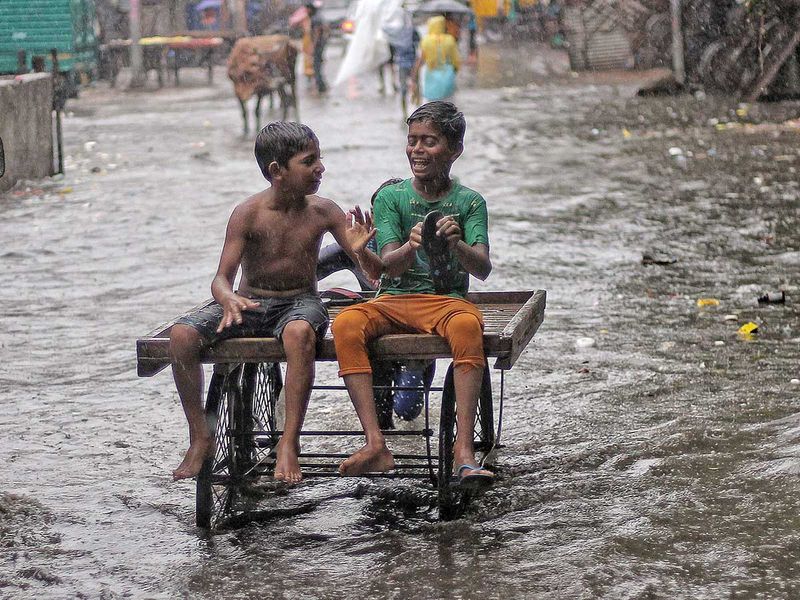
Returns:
(368,48)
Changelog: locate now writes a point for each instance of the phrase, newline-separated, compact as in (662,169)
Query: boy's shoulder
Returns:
(321,203)
(255,200)
(460,188)
(396,191)
(404,191)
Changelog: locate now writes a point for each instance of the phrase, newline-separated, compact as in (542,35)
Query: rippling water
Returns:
(660,462)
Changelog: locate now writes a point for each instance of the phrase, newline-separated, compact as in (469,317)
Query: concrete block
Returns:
(26,126)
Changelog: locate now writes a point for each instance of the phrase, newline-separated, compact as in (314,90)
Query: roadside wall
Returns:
(26,126)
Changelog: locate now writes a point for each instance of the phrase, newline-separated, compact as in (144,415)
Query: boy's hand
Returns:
(415,237)
(446,227)
(233,307)
(360,229)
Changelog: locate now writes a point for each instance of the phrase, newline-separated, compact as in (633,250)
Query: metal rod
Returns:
(428,428)
(677,42)
(137,52)
(500,409)
(387,432)
(379,387)
(336,455)
(323,465)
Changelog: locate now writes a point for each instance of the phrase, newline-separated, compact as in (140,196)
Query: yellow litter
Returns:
(707,302)
(748,328)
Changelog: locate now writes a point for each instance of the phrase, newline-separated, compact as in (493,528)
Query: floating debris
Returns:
(748,328)
(656,257)
(703,302)
(773,298)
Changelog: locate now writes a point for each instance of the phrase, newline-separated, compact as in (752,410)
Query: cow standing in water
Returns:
(260,66)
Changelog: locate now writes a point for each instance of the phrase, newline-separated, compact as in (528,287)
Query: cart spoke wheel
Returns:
(240,409)
(447,430)
(484,419)
(216,495)
(263,384)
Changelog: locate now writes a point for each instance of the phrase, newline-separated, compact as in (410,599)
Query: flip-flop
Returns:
(438,253)
(474,481)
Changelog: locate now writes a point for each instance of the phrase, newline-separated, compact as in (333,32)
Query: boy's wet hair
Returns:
(388,182)
(446,117)
(279,141)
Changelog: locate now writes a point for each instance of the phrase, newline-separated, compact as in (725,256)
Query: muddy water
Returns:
(659,462)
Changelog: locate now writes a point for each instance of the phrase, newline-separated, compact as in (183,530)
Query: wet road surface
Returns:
(658,460)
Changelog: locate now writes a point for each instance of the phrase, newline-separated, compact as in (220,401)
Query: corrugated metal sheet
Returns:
(36,26)
(597,36)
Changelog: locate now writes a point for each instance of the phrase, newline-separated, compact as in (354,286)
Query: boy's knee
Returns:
(349,326)
(299,334)
(184,340)
(465,325)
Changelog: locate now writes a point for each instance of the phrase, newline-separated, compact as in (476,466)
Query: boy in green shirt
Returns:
(413,297)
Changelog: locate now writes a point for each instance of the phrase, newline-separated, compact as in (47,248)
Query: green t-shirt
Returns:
(398,208)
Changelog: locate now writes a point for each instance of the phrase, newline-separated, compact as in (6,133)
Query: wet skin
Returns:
(274,236)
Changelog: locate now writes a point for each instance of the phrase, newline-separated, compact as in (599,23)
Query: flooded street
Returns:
(650,451)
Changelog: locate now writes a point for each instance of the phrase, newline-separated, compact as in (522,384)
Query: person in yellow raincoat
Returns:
(439,55)
(308,48)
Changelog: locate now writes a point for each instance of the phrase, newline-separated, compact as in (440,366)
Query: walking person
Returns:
(438,61)
(319,39)
(403,41)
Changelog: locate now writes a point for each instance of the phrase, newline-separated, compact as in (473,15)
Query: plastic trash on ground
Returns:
(748,328)
(773,298)
(705,302)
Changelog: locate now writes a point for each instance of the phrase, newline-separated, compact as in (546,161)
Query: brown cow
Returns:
(261,65)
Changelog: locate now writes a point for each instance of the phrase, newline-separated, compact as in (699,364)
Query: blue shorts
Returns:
(268,320)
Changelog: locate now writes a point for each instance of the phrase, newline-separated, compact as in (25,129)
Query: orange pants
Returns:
(458,321)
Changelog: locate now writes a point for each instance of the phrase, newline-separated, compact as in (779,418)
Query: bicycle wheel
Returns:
(217,489)
(255,421)
(484,419)
(447,500)
(240,409)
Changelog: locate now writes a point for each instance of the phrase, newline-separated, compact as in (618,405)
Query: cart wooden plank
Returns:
(511,320)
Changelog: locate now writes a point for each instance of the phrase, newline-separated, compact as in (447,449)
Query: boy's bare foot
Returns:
(287,463)
(193,460)
(368,460)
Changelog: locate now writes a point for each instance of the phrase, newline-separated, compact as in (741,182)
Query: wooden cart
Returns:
(246,383)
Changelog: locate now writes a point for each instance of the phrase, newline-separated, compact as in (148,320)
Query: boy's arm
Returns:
(353,231)
(474,259)
(399,258)
(222,285)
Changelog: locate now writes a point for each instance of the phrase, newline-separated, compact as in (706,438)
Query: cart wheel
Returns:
(448,503)
(484,420)
(216,490)
(382,392)
(256,420)
(240,409)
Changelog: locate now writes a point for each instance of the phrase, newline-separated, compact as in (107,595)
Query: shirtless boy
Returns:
(415,294)
(274,236)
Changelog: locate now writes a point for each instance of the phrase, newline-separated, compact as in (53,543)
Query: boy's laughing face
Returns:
(305,169)
(428,151)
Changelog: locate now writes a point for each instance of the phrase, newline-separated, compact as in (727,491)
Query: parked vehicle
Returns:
(35,27)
